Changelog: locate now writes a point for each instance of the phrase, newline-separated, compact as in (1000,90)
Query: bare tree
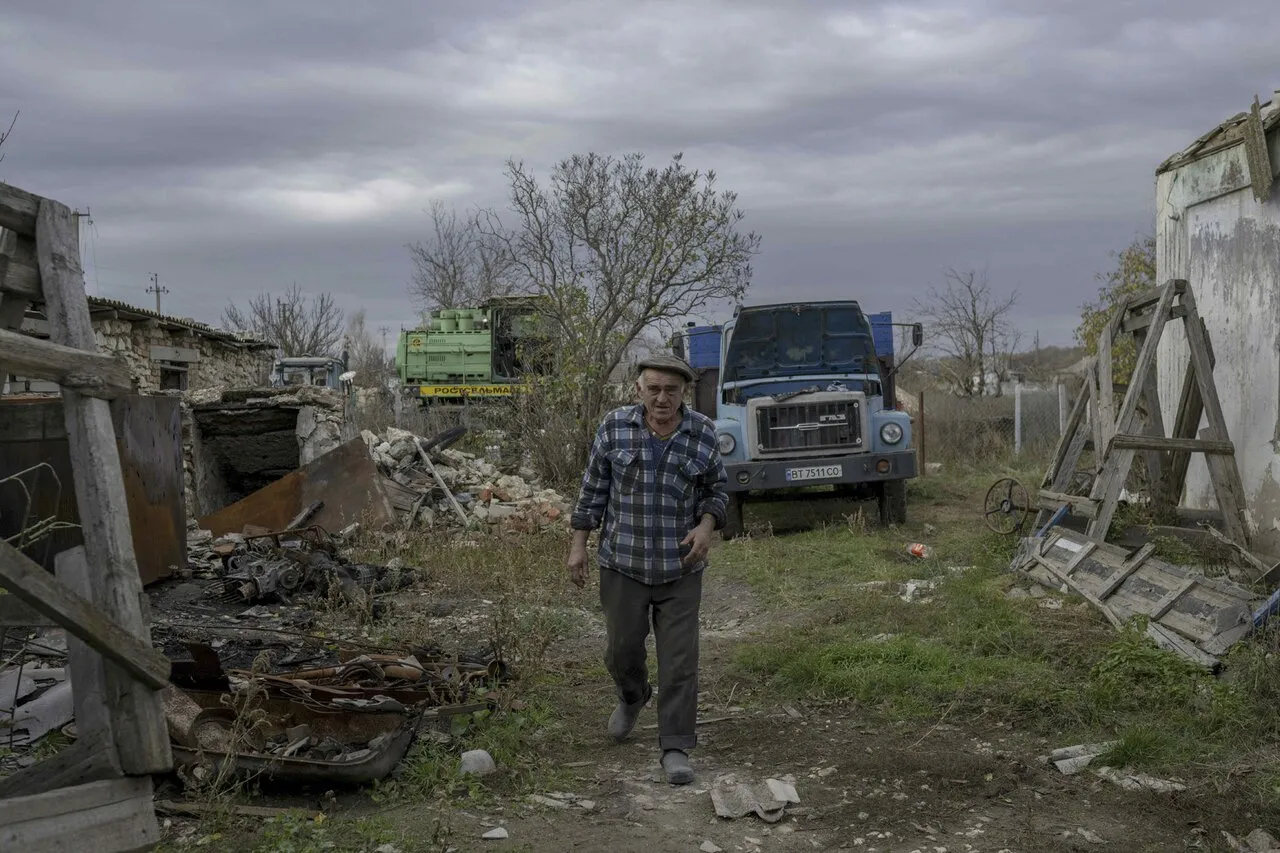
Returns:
(971,331)
(460,264)
(296,323)
(615,247)
(9,132)
(365,354)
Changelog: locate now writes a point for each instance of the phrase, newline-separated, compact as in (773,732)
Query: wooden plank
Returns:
(91,373)
(1176,643)
(18,209)
(39,590)
(1106,408)
(1079,505)
(1117,465)
(1223,472)
(1059,473)
(1138,322)
(1186,423)
(1141,300)
(142,738)
(1151,442)
(1132,565)
(1260,568)
(19,272)
(1095,425)
(1082,592)
(1163,605)
(1154,460)
(80,763)
(115,816)
(90,692)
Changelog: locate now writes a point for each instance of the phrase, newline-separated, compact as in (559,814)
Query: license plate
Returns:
(816,472)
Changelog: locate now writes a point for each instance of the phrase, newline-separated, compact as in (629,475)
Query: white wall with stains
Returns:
(1212,232)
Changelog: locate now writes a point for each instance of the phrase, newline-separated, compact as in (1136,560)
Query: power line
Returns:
(157,289)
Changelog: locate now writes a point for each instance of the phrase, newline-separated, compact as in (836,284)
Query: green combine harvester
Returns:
(469,354)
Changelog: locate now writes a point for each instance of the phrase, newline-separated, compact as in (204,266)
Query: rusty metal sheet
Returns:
(345,479)
(149,435)
(149,440)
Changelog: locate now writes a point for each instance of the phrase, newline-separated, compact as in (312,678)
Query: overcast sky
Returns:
(237,148)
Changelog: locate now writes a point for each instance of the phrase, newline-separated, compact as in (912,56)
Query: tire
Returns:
(733,516)
(893,503)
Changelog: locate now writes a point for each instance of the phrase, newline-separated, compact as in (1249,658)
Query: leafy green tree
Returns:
(1135,271)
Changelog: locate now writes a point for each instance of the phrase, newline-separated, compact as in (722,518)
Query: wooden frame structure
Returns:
(97,793)
(1117,437)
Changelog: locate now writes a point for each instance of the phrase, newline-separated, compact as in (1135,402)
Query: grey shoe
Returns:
(676,764)
(623,719)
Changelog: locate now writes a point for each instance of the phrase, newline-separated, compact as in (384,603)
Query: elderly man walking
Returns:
(655,485)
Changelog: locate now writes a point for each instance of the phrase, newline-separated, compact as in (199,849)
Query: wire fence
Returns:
(1021,425)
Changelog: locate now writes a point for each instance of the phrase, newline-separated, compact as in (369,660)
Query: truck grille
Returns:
(809,426)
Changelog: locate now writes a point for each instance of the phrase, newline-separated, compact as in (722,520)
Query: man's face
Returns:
(661,392)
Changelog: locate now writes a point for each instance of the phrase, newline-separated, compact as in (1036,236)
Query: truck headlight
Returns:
(725,443)
(891,433)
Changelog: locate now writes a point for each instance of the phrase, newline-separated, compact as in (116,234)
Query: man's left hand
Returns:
(699,542)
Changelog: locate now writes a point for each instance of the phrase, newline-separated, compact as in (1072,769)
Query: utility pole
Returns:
(157,289)
(384,331)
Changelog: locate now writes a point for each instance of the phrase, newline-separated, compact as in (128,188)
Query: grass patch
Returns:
(968,652)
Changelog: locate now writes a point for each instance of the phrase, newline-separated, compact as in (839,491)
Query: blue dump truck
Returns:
(803,396)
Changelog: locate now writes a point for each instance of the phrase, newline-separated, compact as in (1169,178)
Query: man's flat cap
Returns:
(669,363)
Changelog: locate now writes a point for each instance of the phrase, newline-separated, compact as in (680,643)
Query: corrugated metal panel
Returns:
(149,439)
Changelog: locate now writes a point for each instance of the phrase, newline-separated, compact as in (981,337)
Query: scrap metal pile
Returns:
(433,485)
(350,721)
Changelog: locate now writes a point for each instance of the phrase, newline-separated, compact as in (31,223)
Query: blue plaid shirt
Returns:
(648,506)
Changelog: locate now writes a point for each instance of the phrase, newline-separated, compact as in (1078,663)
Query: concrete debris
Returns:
(1072,759)
(733,798)
(1139,781)
(477,762)
(44,704)
(710,847)
(497,834)
(483,493)
(1258,841)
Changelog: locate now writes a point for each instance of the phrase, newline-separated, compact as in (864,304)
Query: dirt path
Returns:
(864,787)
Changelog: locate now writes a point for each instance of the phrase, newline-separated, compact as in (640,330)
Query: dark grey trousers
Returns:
(674,606)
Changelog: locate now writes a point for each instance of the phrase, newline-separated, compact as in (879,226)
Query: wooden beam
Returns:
(1115,470)
(1186,424)
(43,593)
(1223,472)
(19,271)
(91,373)
(1141,300)
(82,762)
(90,691)
(1051,500)
(114,816)
(1142,321)
(142,738)
(1152,442)
(18,210)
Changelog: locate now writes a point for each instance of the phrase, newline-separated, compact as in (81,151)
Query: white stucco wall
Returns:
(1211,232)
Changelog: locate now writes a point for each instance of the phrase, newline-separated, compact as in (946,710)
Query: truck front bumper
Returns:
(820,471)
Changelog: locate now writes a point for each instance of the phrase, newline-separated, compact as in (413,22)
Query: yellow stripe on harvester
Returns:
(468,390)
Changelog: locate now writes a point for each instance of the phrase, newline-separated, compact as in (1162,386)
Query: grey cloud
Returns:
(873,145)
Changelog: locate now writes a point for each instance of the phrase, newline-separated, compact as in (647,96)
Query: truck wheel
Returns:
(733,516)
(893,502)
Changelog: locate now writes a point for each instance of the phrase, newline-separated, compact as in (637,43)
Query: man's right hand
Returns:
(578,560)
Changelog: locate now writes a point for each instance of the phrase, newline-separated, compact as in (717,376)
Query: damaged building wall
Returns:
(164,353)
(1212,231)
(238,441)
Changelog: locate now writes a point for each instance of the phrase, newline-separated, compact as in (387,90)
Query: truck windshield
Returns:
(800,340)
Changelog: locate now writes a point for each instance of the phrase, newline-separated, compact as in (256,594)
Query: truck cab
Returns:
(804,399)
